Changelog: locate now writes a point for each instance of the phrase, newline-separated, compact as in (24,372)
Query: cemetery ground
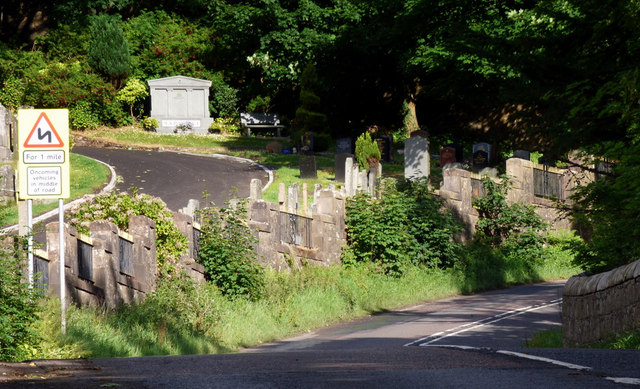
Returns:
(184,318)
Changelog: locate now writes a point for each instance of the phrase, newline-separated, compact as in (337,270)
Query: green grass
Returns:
(140,138)
(87,176)
(546,339)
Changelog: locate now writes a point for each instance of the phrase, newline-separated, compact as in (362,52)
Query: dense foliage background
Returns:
(551,76)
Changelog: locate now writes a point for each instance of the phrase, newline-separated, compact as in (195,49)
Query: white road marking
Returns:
(548,360)
(477,324)
(624,380)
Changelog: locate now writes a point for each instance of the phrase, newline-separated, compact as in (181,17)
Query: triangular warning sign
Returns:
(43,134)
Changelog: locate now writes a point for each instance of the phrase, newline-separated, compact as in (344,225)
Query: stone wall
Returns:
(7,135)
(459,186)
(290,234)
(110,281)
(600,306)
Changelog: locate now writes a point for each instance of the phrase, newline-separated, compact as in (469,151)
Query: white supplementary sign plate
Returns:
(43,156)
(44,180)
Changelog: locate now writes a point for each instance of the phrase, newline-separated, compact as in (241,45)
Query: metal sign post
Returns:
(43,173)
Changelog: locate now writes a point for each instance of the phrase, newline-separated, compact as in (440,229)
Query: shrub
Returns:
(81,117)
(404,225)
(227,251)
(149,124)
(119,207)
(367,151)
(498,221)
(321,141)
(18,307)
(133,94)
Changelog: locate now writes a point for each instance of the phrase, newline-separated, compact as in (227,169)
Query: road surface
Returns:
(462,342)
(178,177)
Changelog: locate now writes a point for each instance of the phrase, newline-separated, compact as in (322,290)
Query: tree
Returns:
(308,115)
(133,93)
(109,50)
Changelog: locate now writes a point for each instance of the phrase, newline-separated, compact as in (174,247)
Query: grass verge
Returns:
(86,175)
(183,318)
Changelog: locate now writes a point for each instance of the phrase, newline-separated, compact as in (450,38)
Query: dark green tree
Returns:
(309,118)
(109,51)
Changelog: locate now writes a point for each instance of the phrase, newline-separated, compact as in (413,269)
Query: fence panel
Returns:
(547,184)
(85,260)
(295,229)
(125,254)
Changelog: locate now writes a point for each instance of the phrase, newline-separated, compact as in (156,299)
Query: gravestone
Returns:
(481,156)
(522,154)
(339,167)
(308,167)
(385,144)
(344,146)
(416,158)
(447,156)
(458,151)
(181,103)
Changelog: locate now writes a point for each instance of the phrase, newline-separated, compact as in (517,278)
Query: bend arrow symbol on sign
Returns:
(45,136)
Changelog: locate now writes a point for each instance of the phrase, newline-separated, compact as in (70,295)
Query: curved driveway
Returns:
(178,177)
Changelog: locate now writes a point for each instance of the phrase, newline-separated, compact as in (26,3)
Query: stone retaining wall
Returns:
(600,306)
(459,186)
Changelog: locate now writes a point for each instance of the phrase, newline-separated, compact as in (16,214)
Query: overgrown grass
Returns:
(553,339)
(183,318)
(86,175)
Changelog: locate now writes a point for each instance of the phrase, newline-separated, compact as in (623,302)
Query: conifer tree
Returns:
(109,50)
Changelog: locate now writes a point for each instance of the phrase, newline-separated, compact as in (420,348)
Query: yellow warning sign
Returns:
(43,164)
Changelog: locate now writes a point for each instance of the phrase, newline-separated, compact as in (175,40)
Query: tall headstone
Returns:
(416,158)
(385,144)
(447,156)
(308,167)
(180,102)
(481,156)
(458,151)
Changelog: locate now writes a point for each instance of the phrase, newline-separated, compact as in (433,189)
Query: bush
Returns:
(404,225)
(515,225)
(81,117)
(321,141)
(149,124)
(367,151)
(227,251)
(18,307)
(119,207)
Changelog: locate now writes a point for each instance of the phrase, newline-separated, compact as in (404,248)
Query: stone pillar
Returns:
(5,135)
(372,181)
(192,208)
(282,197)
(293,204)
(70,258)
(348,176)
(305,194)
(145,266)
(106,261)
(255,191)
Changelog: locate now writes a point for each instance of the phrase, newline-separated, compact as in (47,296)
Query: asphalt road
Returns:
(177,177)
(462,342)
